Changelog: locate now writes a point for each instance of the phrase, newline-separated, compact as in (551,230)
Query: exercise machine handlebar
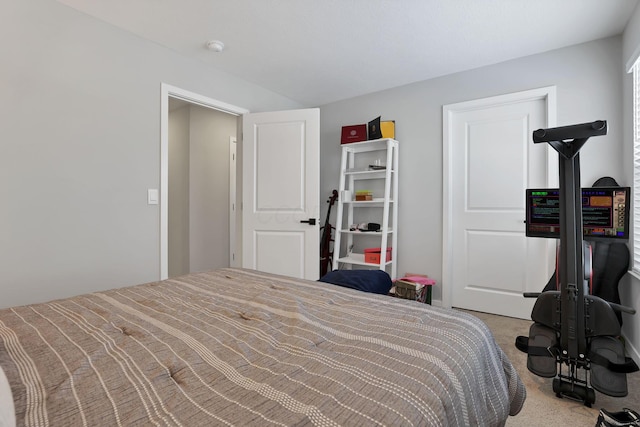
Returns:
(580,131)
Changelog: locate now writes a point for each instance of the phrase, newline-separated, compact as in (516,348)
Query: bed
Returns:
(241,347)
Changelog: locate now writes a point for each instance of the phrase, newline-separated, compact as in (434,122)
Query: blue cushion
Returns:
(374,281)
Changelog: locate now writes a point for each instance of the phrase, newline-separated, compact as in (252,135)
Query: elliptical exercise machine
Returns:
(574,331)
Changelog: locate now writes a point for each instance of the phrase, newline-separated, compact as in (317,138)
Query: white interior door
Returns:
(492,160)
(281,173)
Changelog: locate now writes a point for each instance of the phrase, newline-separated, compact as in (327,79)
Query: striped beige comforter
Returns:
(239,347)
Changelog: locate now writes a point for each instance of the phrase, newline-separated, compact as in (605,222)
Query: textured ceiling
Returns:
(318,52)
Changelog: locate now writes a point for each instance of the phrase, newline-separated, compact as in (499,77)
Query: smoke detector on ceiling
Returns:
(215,45)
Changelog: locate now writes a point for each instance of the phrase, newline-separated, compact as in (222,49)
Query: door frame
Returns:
(547,94)
(168,91)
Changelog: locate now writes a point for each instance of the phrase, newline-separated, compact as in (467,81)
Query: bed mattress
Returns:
(241,347)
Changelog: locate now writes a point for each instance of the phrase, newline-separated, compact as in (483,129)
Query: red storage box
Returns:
(354,133)
(372,255)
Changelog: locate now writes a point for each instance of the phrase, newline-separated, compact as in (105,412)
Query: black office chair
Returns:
(605,358)
(610,262)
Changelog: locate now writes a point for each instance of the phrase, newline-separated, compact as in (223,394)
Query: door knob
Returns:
(310,221)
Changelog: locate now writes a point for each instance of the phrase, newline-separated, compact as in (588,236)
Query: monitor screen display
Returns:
(605,213)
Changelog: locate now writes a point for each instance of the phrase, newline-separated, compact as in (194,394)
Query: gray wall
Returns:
(80,120)
(209,188)
(589,86)
(178,190)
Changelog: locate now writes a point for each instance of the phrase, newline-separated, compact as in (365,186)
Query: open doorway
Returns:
(198,170)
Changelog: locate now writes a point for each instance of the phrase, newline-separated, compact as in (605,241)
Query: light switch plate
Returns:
(152,196)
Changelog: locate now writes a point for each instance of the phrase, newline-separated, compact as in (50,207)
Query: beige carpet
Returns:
(542,407)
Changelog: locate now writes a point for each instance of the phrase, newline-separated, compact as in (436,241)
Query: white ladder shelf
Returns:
(356,170)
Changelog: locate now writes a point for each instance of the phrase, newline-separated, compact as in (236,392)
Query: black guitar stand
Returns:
(575,335)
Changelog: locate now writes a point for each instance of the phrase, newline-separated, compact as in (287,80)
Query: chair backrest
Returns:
(610,261)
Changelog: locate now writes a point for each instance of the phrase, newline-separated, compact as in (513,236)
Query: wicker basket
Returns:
(407,290)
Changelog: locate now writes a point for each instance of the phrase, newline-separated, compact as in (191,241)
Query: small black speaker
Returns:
(372,226)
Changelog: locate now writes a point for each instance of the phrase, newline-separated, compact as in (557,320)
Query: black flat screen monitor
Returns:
(605,213)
